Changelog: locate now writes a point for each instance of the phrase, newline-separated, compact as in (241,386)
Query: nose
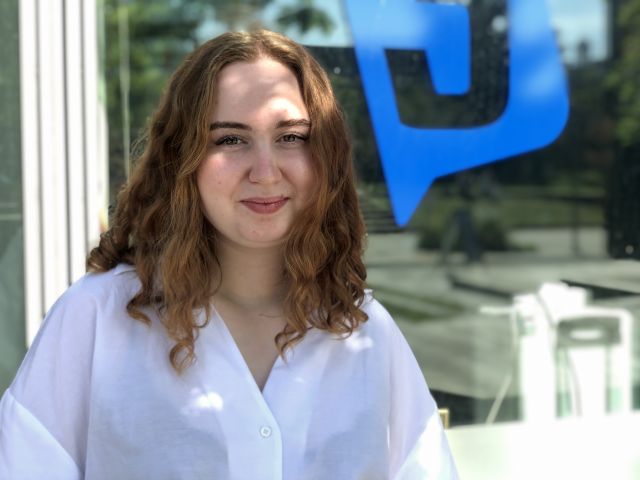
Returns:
(264,167)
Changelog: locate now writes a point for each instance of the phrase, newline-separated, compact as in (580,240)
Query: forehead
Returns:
(244,87)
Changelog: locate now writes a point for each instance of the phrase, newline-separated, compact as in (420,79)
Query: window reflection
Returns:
(12,341)
(511,280)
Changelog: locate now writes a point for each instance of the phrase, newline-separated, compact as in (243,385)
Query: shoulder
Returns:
(382,328)
(68,331)
(71,321)
(379,319)
(116,285)
(55,380)
(96,292)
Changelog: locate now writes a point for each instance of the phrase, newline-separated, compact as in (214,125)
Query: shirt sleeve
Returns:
(44,413)
(27,450)
(418,446)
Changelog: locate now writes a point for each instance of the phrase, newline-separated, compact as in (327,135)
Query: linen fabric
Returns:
(96,398)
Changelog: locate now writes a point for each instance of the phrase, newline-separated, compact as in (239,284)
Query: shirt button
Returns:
(265,432)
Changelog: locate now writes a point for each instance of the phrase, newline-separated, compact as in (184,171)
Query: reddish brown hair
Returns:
(159,226)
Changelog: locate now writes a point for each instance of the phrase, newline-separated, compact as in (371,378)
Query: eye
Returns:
(293,138)
(228,140)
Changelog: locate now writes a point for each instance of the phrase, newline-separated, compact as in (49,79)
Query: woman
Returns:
(224,332)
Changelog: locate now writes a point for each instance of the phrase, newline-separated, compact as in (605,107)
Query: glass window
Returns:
(515,277)
(12,326)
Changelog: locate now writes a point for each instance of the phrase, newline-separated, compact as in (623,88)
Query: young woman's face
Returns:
(257,174)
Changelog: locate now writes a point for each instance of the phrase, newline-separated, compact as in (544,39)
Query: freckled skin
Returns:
(261,161)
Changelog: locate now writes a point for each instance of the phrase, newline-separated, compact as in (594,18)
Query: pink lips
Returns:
(264,204)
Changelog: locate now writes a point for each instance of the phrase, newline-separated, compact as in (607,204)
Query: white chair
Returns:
(575,359)
(571,358)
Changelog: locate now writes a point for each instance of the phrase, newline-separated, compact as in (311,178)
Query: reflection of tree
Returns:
(237,15)
(341,65)
(622,219)
(145,41)
(624,76)
(137,64)
(306,17)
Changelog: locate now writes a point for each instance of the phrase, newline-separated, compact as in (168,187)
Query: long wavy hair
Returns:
(159,227)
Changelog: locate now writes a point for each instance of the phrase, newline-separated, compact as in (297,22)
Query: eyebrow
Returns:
(295,122)
(299,122)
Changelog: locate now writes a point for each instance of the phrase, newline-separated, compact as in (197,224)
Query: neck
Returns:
(251,278)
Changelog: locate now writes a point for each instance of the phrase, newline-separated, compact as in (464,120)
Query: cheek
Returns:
(308,179)
(211,176)
(209,190)
(304,174)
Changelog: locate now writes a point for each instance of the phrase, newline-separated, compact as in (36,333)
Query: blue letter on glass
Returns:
(537,106)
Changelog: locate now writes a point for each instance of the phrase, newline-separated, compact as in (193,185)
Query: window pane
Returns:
(515,281)
(12,323)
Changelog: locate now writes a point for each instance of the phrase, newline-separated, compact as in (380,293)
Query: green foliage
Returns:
(519,207)
(144,42)
(623,78)
(355,109)
(430,238)
(491,235)
(305,16)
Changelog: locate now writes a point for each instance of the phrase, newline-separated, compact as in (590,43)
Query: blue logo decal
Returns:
(537,106)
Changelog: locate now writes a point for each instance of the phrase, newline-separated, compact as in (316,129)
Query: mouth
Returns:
(264,205)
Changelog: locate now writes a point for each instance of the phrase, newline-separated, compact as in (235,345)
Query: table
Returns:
(602,448)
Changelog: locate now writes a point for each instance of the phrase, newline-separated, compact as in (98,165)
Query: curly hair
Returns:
(159,226)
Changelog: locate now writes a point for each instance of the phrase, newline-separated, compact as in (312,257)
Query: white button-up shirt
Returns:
(96,398)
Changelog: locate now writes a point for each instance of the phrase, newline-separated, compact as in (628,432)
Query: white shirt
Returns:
(96,398)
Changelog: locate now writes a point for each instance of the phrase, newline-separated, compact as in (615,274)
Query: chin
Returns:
(264,244)
(264,241)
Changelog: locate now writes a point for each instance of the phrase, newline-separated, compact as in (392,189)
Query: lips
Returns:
(265,205)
